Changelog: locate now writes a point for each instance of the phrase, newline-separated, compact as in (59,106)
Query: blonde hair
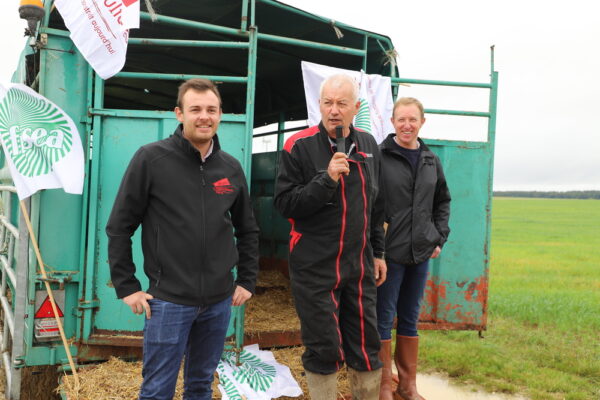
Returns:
(406,101)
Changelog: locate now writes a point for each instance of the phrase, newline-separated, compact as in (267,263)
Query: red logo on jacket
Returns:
(222,186)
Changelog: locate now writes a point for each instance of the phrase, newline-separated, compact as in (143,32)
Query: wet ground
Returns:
(436,387)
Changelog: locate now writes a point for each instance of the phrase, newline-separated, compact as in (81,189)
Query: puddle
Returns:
(436,387)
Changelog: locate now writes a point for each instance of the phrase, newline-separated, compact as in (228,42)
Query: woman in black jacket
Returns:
(417,209)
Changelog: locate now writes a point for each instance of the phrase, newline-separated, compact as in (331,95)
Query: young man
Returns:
(333,201)
(192,201)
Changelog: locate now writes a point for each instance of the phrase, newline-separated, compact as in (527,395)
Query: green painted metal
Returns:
(180,77)
(163,19)
(314,45)
(186,43)
(71,228)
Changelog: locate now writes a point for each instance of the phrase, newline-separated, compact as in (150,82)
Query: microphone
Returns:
(339,139)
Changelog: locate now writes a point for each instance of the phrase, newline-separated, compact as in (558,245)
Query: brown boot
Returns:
(387,385)
(407,350)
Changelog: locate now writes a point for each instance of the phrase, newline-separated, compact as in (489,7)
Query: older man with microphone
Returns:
(328,186)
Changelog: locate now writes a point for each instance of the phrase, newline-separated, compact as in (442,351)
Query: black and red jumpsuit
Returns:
(337,229)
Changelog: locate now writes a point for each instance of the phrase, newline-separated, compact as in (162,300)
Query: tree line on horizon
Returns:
(572,194)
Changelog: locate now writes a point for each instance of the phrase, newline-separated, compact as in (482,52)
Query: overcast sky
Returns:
(548,128)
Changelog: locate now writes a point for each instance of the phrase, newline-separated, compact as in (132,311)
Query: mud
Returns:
(436,387)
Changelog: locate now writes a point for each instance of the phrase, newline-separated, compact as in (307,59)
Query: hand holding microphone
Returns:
(338,165)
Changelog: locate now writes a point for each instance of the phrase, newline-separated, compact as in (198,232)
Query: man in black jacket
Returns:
(333,201)
(417,211)
(192,201)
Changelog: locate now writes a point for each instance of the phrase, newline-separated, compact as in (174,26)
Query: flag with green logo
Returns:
(41,144)
(258,376)
(375,96)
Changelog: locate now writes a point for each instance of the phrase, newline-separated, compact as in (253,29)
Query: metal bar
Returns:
(280,131)
(442,83)
(456,112)
(11,228)
(312,45)
(186,43)
(299,128)
(20,302)
(8,188)
(491,139)
(54,31)
(180,77)
(247,160)
(185,23)
(365,48)
(153,114)
(6,267)
(9,375)
(252,12)
(244,17)
(89,279)
(83,266)
(8,315)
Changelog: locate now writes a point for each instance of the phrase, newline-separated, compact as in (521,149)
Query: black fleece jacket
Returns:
(191,214)
(417,207)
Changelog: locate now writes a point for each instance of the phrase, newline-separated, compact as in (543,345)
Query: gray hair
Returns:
(337,81)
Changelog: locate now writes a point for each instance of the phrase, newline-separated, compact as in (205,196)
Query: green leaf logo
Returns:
(253,371)
(35,132)
(363,118)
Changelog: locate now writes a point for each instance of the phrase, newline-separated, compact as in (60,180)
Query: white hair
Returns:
(337,81)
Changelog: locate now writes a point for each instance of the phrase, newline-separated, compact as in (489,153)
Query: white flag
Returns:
(100,30)
(258,377)
(41,143)
(375,95)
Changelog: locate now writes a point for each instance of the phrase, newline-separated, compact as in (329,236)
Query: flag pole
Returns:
(49,290)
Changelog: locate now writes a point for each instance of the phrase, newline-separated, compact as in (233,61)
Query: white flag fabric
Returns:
(100,30)
(41,143)
(259,377)
(375,95)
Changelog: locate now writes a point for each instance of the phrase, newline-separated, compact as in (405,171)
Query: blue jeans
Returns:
(175,330)
(400,295)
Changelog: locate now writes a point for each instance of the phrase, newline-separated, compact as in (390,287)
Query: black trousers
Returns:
(335,297)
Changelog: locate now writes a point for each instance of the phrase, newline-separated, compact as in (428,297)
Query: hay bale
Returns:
(272,310)
(271,278)
(120,380)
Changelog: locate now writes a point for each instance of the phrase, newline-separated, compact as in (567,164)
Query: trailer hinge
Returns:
(86,305)
(19,362)
(59,277)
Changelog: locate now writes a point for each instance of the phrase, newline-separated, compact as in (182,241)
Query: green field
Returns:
(543,333)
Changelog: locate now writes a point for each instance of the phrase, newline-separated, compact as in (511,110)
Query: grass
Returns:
(543,334)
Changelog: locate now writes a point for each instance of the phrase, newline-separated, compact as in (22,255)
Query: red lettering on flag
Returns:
(45,310)
(127,3)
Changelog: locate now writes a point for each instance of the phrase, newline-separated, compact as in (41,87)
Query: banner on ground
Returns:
(375,95)
(100,30)
(40,141)
(258,377)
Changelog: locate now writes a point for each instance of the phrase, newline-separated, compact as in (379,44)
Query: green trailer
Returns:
(253,49)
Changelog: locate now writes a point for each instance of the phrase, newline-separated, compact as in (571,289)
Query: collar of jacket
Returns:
(390,146)
(187,147)
(325,135)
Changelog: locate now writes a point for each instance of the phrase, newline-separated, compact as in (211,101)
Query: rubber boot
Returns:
(321,387)
(387,385)
(407,350)
(364,384)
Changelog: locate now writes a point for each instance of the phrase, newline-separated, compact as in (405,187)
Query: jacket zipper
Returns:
(203,222)
(158,264)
